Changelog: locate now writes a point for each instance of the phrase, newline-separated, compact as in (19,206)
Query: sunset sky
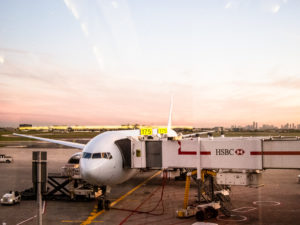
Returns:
(115,62)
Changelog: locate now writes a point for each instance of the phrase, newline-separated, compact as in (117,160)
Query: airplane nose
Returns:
(87,175)
(86,171)
(91,171)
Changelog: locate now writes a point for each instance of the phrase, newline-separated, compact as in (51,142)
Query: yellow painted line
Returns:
(93,215)
(134,189)
(133,200)
(79,221)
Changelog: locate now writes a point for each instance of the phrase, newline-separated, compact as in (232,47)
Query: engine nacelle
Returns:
(75,158)
(72,168)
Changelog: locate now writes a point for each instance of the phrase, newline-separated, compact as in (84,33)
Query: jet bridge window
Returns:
(87,155)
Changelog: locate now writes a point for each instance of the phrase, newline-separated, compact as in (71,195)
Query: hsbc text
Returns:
(224,151)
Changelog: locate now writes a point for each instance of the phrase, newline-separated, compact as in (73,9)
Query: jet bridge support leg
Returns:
(211,197)
(199,190)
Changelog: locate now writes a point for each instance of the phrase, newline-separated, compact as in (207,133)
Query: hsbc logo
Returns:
(239,151)
(225,151)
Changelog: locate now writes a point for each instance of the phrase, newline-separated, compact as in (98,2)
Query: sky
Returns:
(103,62)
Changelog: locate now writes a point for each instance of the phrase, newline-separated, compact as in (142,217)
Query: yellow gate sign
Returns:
(162,130)
(146,131)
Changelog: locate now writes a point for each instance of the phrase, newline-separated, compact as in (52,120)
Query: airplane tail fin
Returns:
(171,133)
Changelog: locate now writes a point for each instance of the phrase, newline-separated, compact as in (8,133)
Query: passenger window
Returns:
(96,156)
(86,155)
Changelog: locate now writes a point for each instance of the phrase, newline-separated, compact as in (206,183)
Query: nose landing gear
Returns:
(102,202)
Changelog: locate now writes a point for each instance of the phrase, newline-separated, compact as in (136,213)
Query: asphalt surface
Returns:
(276,203)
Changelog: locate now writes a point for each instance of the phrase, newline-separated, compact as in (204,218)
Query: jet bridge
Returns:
(237,160)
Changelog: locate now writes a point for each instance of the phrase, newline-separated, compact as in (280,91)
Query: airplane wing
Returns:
(65,143)
(197,134)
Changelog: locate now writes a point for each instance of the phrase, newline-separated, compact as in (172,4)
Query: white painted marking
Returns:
(24,221)
(204,223)
(225,218)
(44,207)
(244,209)
(266,203)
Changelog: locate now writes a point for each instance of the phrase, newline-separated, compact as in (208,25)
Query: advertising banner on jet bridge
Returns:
(223,153)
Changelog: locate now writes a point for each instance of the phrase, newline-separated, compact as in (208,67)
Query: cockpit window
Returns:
(103,155)
(86,155)
(96,156)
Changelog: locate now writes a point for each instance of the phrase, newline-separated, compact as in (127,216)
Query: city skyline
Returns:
(117,62)
(263,126)
(254,126)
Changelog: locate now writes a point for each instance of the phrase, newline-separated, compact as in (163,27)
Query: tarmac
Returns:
(151,202)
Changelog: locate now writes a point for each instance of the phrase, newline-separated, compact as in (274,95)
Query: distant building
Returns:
(268,127)
(25,125)
(218,129)
(288,126)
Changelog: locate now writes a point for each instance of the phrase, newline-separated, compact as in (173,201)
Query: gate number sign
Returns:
(162,130)
(146,131)
(149,131)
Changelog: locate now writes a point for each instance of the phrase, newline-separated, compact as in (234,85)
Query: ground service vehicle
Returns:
(5,158)
(11,198)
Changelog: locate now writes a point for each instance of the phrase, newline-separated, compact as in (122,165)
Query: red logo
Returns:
(240,151)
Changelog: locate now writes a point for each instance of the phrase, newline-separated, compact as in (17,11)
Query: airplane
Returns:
(102,162)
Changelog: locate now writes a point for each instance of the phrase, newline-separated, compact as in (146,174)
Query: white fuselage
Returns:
(105,168)
(102,161)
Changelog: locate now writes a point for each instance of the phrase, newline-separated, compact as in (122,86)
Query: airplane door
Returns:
(154,154)
(124,146)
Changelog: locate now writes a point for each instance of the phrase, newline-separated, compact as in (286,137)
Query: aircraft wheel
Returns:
(216,213)
(210,212)
(200,215)
(225,210)
(107,205)
(100,204)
